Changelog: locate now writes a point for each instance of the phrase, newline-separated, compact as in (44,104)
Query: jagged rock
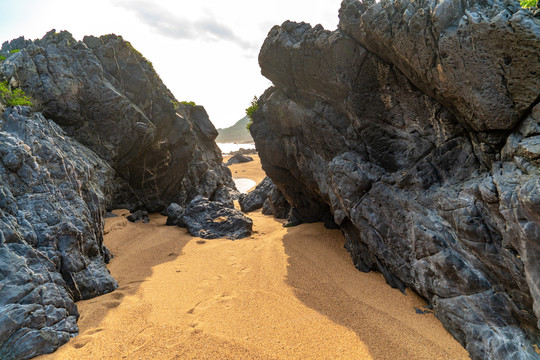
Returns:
(107,96)
(212,220)
(255,199)
(238,158)
(175,214)
(407,155)
(276,204)
(139,216)
(53,195)
(225,195)
(137,148)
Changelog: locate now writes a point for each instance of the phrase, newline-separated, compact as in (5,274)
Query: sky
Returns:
(204,51)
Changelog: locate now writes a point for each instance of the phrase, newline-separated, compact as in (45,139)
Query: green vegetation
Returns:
(128,44)
(190,103)
(13,97)
(252,110)
(236,133)
(528,3)
(3,57)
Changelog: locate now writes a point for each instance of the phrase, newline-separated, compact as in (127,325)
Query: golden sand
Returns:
(284,293)
(251,170)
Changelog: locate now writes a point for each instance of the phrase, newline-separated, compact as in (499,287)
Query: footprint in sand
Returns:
(117,295)
(111,304)
(93,331)
(81,341)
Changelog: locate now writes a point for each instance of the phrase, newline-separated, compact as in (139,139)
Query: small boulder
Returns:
(238,158)
(212,219)
(254,200)
(174,214)
(138,216)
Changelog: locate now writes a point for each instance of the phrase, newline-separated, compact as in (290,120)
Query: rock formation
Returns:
(238,158)
(211,220)
(107,96)
(415,126)
(53,196)
(118,138)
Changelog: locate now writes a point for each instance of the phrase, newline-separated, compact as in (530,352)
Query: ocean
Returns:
(229,147)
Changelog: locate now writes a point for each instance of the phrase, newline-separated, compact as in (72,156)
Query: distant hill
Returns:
(237,133)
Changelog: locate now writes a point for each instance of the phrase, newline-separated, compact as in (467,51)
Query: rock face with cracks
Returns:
(107,96)
(116,137)
(416,128)
(53,196)
(212,219)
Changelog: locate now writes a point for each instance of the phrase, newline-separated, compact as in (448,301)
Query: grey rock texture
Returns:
(276,204)
(119,140)
(416,128)
(255,199)
(175,213)
(107,96)
(239,158)
(53,195)
(211,220)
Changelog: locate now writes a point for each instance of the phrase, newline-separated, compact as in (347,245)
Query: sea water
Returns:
(229,147)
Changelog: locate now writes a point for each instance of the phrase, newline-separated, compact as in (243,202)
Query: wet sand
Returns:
(284,293)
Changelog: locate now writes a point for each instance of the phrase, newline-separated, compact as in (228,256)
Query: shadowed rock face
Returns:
(53,196)
(418,136)
(119,139)
(107,96)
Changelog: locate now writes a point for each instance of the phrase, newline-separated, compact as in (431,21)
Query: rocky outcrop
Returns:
(107,96)
(255,199)
(212,219)
(276,204)
(53,196)
(415,127)
(123,140)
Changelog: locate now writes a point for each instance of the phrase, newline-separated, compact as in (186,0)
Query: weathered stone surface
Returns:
(212,220)
(254,200)
(276,204)
(434,43)
(239,158)
(138,216)
(107,96)
(53,195)
(413,166)
(175,214)
(137,148)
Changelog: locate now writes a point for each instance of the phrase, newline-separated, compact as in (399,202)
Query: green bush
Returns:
(528,3)
(252,110)
(14,97)
(190,103)
(14,51)
(2,58)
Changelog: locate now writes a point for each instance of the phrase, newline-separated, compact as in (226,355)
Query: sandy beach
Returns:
(283,293)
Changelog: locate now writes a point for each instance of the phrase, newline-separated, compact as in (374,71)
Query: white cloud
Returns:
(204,51)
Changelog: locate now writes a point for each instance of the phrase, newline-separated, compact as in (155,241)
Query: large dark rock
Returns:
(211,220)
(53,195)
(419,136)
(123,141)
(254,200)
(276,204)
(107,95)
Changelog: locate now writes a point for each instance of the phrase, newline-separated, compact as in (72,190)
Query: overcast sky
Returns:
(204,51)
